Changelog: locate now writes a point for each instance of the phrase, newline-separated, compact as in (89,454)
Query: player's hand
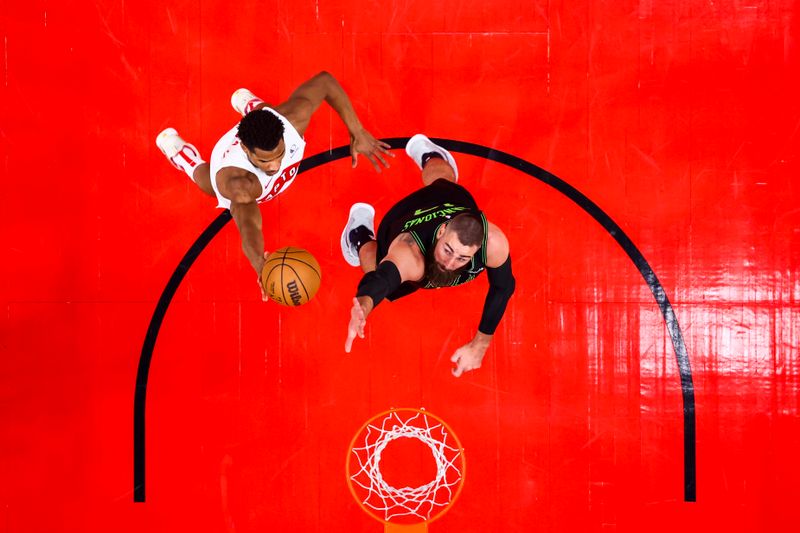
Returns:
(259,270)
(468,357)
(358,319)
(362,142)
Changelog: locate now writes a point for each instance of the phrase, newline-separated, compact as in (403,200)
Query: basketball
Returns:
(291,276)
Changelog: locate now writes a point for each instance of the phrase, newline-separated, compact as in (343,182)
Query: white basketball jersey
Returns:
(228,152)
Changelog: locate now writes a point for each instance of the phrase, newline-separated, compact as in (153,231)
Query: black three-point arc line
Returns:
(681,355)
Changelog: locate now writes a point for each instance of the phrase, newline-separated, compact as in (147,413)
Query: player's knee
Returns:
(437,169)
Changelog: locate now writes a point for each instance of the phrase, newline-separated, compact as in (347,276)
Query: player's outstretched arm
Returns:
(372,289)
(248,219)
(403,262)
(305,100)
(501,287)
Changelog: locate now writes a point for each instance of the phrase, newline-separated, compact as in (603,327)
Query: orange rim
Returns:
(448,431)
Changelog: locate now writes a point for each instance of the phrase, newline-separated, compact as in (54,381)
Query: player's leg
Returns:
(202,177)
(434,161)
(368,255)
(185,157)
(358,237)
(436,168)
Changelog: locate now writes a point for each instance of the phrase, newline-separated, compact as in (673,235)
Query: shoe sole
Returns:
(234,98)
(447,155)
(163,135)
(343,242)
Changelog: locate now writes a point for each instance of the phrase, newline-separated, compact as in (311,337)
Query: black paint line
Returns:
(678,344)
(150,342)
(681,354)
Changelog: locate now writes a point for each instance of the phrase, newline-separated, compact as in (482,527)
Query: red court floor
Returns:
(642,158)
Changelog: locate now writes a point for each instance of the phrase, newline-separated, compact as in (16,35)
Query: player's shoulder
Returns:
(497,246)
(406,246)
(405,253)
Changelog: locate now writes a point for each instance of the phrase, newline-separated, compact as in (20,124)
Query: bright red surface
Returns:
(679,119)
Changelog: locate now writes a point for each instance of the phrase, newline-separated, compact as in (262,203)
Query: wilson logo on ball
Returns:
(291,276)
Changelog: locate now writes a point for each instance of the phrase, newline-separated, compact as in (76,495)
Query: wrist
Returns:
(355,128)
(366,303)
(482,340)
(258,264)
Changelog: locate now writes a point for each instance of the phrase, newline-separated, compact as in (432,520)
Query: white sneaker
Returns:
(243,101)
(419,145)
(182,155)
(360,215)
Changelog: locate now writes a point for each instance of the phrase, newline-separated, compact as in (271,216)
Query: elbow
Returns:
(240,199)
(325,76)
(508,289)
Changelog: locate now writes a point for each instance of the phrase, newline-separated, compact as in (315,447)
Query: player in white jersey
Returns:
(259,157)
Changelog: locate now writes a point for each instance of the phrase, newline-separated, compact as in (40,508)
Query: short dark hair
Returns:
(469,228)
(260,129)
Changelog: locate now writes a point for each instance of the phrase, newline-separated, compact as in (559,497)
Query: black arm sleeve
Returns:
(501,287)
(380,283)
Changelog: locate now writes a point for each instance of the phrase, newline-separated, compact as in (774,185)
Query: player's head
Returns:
(457,242)
(261,135)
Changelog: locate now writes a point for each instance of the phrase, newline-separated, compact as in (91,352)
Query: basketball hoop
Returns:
(407,509)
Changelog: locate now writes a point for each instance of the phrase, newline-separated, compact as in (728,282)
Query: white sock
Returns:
(187,160)
(251,104)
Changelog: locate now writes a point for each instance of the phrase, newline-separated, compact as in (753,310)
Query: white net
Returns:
(407,502)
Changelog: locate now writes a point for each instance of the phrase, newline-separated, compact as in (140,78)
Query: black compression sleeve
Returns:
(501,287)
(380,283)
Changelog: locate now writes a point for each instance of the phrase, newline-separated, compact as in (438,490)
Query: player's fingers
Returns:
(454,357)
(374,162)
(457,371)
(381,159)
(348,344)
(357,312)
